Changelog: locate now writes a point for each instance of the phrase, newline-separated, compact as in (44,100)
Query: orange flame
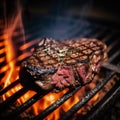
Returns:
(11,74)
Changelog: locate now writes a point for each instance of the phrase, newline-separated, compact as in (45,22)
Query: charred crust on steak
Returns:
(60,64)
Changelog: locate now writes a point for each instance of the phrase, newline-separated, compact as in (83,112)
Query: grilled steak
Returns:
(60,64)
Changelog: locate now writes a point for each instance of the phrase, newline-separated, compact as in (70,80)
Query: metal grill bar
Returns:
(111,67)
(24,106)
(103,106)
(111,46)
(56,104)
(9,87)
(4,105)
(84,100)
(114,56)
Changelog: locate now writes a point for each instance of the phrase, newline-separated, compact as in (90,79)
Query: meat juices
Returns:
(60,64)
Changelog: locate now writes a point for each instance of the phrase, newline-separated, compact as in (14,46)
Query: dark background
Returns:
(101,9)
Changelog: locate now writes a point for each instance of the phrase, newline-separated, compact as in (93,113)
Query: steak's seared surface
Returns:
(59,64)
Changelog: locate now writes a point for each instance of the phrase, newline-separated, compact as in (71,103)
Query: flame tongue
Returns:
(11,74)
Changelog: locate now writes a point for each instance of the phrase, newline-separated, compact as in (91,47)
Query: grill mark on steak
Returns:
(60,64)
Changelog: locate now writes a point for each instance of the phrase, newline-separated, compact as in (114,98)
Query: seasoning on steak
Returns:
(60,64)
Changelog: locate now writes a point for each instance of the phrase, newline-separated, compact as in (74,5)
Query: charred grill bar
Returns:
(55,105)
(84,100)
(24,106)
(9,87)
(5,105)
(105,104)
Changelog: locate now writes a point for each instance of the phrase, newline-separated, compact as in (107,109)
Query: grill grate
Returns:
(12,99)
(84,100)
(56,104)
(59,27)
(98,111)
